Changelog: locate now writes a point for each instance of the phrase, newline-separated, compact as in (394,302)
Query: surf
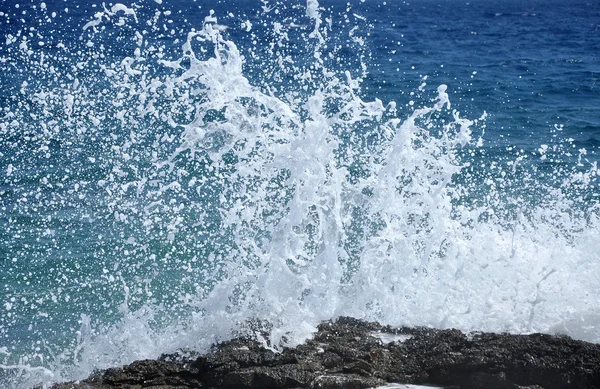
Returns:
(188,183)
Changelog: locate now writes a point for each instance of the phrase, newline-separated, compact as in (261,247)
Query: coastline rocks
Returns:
(350,353)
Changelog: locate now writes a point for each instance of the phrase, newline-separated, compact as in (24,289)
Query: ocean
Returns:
(176,173)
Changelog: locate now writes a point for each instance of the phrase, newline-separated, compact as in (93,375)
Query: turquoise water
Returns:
(171,170)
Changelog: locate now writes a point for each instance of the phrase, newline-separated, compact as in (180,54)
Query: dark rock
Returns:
(350,354)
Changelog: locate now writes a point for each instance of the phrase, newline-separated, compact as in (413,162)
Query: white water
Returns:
(328,205)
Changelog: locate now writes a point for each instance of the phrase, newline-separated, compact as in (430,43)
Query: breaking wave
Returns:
(169,187)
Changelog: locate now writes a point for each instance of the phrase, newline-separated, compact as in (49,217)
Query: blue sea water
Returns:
(172,171)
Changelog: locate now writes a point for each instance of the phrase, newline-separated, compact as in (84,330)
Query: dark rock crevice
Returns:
(350,353)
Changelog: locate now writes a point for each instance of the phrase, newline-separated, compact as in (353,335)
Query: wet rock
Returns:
(350,353)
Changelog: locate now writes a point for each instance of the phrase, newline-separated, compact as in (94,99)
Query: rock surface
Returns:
(350,354)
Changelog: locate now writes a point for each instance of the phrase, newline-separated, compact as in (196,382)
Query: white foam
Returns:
(406,386)
(387,338)
(327,205)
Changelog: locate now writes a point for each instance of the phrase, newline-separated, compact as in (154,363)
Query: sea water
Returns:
(175,173)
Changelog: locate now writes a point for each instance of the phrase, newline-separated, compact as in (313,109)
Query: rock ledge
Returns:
(350,353)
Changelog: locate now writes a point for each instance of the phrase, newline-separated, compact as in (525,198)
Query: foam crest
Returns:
(206,203)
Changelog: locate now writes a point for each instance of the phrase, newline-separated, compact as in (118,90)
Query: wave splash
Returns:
(214,200)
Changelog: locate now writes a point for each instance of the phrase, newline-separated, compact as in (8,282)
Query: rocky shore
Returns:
(350,353)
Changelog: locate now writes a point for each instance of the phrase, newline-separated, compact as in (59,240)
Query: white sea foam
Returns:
(406,386)
(389,338)
(326,205)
